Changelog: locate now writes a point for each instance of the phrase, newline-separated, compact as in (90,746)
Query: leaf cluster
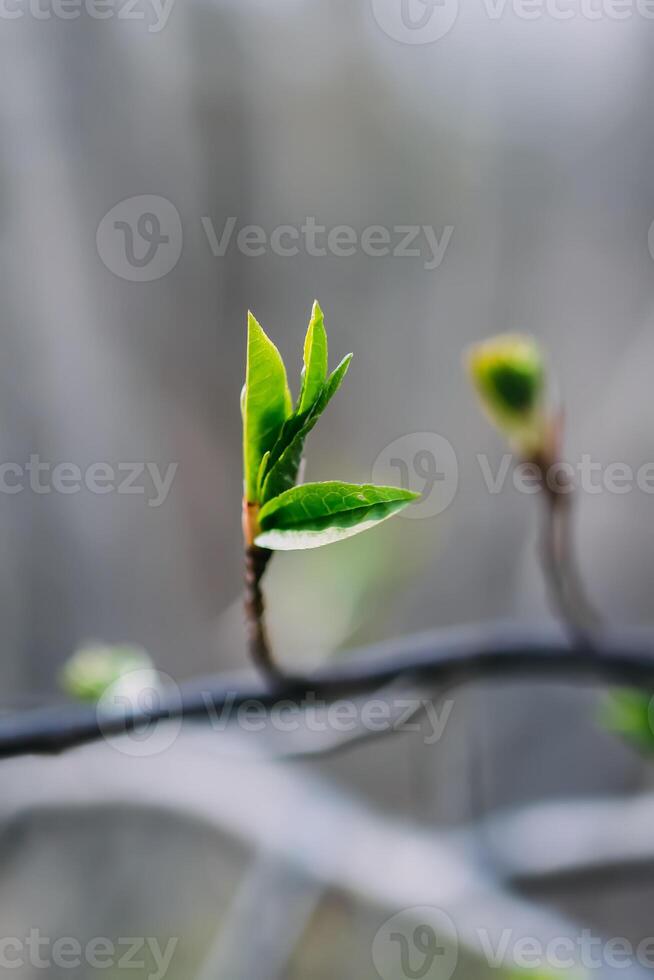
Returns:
(289,516)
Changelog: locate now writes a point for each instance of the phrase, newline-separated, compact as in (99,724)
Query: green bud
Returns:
(628,712)
(94,668)
(508,374)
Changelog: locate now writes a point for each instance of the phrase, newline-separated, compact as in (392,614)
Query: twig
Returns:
(443,656)
(567,594)
(566,590)
(256,561)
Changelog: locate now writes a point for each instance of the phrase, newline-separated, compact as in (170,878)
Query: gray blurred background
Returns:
(530,139)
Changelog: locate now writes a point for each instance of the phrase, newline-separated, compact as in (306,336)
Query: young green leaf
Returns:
(283,463)
(314,373)
(315,514)
(291,427)
(508,373)
(266,403)
(96,667)
(261,474)
(628,712)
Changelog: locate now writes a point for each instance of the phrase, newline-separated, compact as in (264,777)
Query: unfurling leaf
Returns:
(284,461)
(314,373)
(508,373)
(95,668)
(276,514)
(266,403)
(316,514)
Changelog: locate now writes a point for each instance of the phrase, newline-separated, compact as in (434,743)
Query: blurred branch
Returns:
(314,826)
(621,839)
(259,934)
(256,562)
(568,597)
(451,656)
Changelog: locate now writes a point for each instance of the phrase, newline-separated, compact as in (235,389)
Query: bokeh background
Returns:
(532,141)
(530,138)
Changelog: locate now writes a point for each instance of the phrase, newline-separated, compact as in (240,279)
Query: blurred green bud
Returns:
(94,668)
(630,713)
(508,374)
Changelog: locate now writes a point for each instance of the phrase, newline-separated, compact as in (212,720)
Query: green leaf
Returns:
(315,514)
(291,427)
(284,461)
(629,712)
(266,404)
(94,668)
(508,372)
(260,475)
(314,373)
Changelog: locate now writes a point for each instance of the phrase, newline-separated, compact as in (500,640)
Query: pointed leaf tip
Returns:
(315,514)
(266,403)
(282,465)
(314,372)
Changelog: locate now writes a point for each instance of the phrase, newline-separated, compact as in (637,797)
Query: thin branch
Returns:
(256,561)
(441,657)
(568,596)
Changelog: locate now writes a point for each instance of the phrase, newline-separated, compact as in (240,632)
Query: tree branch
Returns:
(568,597)
(256,561)
(440,657)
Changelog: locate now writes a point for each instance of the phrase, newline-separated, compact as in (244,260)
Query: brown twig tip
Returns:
(558,555)
(256,561)
(250,522)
